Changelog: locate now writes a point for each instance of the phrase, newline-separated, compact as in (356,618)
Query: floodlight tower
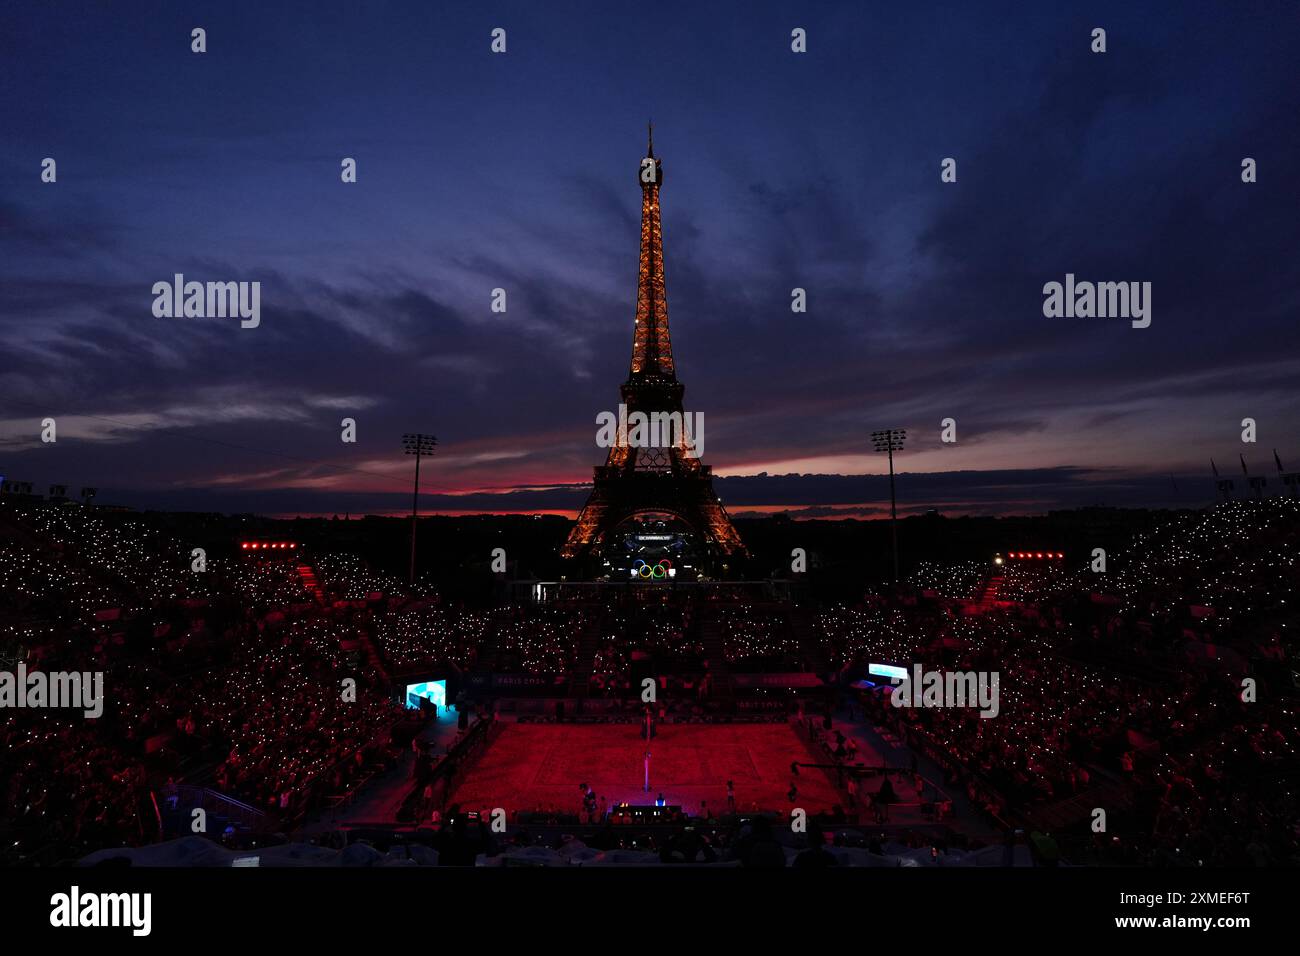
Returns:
(891,440)
(1257,482)
(418,445)
(1224,485)
(1289,478)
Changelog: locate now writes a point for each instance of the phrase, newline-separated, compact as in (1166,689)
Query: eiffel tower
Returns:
(639,481)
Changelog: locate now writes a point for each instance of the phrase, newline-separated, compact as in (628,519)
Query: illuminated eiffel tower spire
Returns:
(652,347)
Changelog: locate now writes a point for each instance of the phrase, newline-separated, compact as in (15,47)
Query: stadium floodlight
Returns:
(418,445)
(1256,482)
(891,440)
(1224,485)
(1289,478)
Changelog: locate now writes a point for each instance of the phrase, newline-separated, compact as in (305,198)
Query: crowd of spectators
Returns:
(1128,685)
(541,640)
(958,580)
(349,578)
(432,635)
(755,633)
(231,676)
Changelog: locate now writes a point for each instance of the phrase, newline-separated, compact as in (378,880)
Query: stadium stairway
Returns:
(585,658)
(715,652)
(308,575)
(1076,810)
(374,659)
(223,812)
(803,627)
(988,600)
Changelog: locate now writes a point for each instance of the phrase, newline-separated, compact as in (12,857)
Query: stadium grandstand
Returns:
(304,699)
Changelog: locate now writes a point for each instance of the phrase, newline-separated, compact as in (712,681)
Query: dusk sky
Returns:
(519,171)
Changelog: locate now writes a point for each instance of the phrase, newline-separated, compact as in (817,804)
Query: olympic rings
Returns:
(656,572)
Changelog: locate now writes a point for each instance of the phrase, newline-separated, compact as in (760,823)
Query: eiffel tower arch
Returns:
(652,503)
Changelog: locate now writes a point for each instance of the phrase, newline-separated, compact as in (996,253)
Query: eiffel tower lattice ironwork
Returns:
(636,479)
